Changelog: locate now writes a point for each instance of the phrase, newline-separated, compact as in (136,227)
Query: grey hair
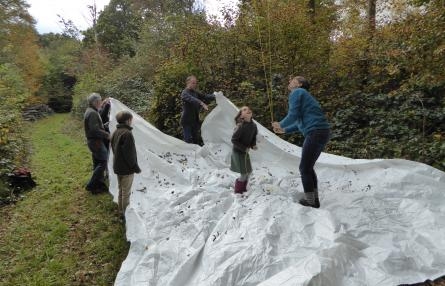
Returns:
(189,78)
(93,97)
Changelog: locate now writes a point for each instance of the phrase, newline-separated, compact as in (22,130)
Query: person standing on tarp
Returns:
(243,139)
(96,137)
(305,115)
(192,103)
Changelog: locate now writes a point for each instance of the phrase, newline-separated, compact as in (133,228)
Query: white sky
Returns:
(45,12)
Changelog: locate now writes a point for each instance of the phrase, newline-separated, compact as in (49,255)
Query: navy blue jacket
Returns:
(191,105)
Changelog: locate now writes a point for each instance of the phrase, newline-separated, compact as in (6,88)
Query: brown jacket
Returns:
(124,149)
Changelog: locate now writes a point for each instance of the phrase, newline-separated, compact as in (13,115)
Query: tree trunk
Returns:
(366,61)
(371,15)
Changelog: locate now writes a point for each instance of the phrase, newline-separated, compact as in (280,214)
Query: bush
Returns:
(409,125)
(12,96)
(61,104)
(165,109)
(134,92)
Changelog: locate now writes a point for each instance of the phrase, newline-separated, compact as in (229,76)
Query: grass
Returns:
(59,234)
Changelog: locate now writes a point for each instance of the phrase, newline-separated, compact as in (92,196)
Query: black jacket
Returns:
(124,149)
(104,112)
(191,105)
(244,136)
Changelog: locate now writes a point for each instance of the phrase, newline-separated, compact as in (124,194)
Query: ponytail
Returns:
(304,82)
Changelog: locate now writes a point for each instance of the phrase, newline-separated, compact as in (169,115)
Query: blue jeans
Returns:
(191,134)
(313,145)
(100,157)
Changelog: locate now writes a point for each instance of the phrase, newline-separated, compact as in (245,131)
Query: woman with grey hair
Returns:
(96,138)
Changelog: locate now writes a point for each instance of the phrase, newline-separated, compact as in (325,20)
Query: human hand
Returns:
(278,130)
(254,147)
(276,124)
(204,106)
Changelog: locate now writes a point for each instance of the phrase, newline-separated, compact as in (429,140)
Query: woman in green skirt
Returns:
(243,139)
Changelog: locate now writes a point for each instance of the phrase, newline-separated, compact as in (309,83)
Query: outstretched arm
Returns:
(294,111)
(188,97)
(206,98)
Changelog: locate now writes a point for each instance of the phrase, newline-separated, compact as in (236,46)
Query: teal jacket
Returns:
(304,113)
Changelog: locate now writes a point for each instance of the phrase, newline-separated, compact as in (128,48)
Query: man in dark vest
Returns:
(192,103)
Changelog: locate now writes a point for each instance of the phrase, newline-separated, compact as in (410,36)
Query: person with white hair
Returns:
(96,137)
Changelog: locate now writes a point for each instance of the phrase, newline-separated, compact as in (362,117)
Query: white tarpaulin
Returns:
(381,222)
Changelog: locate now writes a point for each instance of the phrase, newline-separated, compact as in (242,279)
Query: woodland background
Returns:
(377,67)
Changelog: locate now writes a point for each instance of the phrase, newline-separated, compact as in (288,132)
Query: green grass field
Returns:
(59,234)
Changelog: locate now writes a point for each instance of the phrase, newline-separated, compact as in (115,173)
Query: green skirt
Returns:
(240,162)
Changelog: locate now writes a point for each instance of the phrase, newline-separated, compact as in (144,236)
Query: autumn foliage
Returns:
(20,76)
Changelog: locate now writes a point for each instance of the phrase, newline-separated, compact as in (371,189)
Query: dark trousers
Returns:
(191,133)
(99,154)
(313,145)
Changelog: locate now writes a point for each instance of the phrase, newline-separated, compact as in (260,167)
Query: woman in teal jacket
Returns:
(305,115)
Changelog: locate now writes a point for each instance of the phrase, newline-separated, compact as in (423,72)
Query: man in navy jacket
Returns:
(192,103)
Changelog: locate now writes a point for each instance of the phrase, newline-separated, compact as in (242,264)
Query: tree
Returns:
(20,72)
(374,65)
(117,29)
(17,31)
(61,54)
(158,9)
(371,15)
(69,29)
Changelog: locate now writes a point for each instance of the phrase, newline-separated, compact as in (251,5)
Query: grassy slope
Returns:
(60,234)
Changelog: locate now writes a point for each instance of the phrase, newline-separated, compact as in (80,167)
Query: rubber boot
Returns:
(239,187)
(245,186)
(310,200)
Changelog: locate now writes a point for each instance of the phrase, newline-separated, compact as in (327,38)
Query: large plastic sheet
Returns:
(381,222)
